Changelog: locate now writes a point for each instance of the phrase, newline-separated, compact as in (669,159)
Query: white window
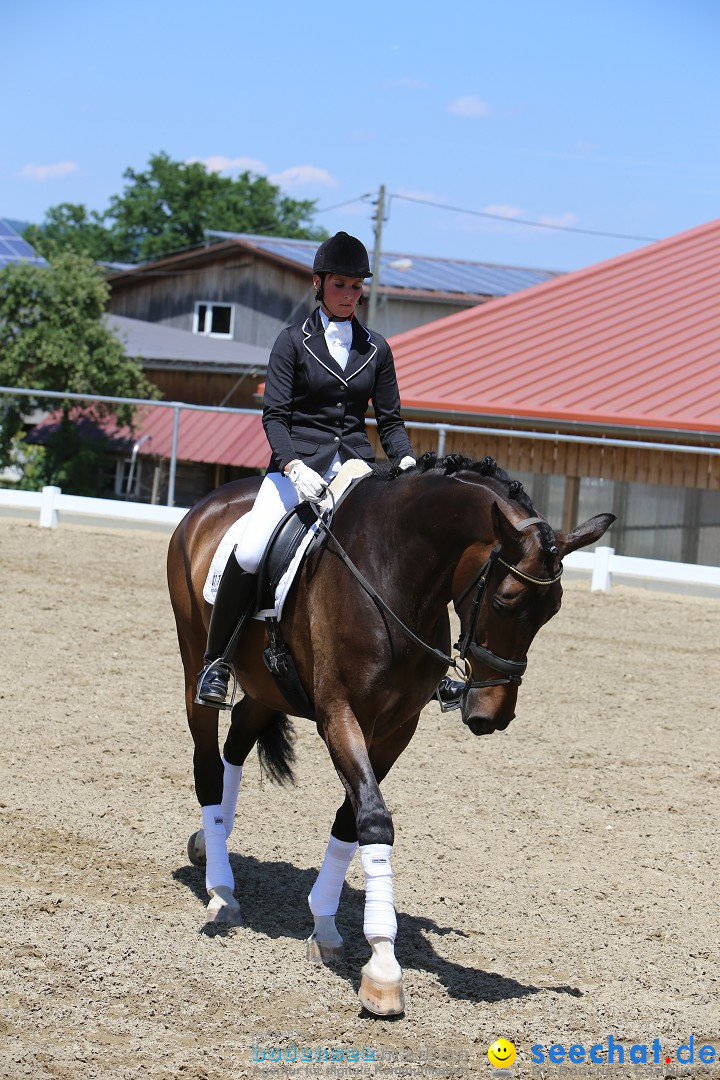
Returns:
(215,320)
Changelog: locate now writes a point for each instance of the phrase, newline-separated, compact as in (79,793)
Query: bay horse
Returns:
(448,531)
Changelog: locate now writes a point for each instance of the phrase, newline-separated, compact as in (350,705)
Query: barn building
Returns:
(241,287)
(189,367)
(623,351)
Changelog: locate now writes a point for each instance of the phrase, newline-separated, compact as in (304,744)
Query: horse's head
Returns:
(503,603)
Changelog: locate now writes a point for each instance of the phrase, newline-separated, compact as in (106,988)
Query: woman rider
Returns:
(321,376)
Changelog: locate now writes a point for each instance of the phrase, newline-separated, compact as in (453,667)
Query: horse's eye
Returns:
(500,606)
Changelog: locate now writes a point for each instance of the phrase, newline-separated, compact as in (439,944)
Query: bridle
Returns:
(511,670)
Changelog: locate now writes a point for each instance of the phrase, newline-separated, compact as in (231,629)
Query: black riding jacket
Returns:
(312,409)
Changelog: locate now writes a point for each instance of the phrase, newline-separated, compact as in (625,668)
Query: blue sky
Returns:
(601,116)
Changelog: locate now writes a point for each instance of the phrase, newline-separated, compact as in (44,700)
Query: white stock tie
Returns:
(339,338)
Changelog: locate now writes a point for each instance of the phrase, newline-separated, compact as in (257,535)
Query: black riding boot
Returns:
(235,596)
(449,693)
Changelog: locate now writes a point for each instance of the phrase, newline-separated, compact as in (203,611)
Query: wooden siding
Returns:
(206,387)
(544,457)
(396,314)
(266,296)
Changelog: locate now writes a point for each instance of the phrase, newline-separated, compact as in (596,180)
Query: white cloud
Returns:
(568,218)
(502,210)
(219,163)
(469,106)
(48,172)
(298,175)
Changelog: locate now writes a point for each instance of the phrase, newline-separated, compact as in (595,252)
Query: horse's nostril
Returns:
(482,725)
(479,725)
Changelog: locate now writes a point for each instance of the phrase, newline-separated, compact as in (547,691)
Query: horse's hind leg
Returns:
(209,845)
(250,723)
(253,723)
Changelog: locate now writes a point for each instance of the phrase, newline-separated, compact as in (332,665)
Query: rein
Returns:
(378,600)
(513,670)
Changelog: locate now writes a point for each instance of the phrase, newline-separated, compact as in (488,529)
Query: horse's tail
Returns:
(276,749)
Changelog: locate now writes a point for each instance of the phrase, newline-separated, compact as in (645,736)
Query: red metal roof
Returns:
(632,342)
(218,438)
(213,437)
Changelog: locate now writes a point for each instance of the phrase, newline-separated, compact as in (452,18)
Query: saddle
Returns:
(281,549)
(284,544)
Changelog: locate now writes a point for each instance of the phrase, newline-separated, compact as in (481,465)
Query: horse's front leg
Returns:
(381,987)
(325,945)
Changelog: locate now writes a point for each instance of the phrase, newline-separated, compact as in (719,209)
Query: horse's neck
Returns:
(438,523)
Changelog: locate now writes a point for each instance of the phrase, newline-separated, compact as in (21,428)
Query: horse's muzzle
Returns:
(483,725)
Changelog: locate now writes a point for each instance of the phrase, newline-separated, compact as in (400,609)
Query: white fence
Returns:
(602,565)
(51,504)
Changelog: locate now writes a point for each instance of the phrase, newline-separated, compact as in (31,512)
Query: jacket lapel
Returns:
(362,350)
(315,343)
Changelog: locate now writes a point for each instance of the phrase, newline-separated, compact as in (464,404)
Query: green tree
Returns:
(52,337)
(168,207)
(70,227)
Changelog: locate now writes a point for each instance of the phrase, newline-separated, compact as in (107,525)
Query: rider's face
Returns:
(340,294)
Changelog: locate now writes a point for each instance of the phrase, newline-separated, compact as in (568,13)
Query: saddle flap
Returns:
(284,542)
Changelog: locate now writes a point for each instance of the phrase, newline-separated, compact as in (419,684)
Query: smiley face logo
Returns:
(501,1054)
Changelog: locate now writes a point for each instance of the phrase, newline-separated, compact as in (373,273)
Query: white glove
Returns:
(309,485)
(407,463)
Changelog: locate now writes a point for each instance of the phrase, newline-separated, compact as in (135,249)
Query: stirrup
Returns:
(450,687)
(223,666)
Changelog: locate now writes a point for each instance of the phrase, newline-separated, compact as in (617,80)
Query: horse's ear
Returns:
(505,531)
(584,534)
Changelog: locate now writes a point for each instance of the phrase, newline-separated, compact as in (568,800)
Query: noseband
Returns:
(511,670)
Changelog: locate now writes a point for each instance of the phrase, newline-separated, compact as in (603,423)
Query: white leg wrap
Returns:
(380,919)
(217,869)
(232,776)
(325,895)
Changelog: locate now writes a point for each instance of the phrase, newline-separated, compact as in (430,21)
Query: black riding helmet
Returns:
(342,254)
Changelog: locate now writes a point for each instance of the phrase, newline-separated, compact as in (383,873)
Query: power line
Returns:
(348,202)
(523,221)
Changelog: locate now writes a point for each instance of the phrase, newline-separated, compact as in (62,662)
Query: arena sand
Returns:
(556,884)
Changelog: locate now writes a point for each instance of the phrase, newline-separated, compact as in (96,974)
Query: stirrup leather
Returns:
(221,666)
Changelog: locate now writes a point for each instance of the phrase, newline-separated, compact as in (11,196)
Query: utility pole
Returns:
(372,307)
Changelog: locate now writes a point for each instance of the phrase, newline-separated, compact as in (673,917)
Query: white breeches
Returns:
(276,496)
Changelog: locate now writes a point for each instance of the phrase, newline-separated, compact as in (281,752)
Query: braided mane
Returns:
(487,466)
(452,463)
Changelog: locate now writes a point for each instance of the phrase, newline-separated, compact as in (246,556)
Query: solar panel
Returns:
(14,249)
(415,271)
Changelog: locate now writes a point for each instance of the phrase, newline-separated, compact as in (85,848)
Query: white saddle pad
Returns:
(348,472)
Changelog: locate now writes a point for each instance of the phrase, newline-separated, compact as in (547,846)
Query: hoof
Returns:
(382,999)
(322,952)
(196,849)
(223,908)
